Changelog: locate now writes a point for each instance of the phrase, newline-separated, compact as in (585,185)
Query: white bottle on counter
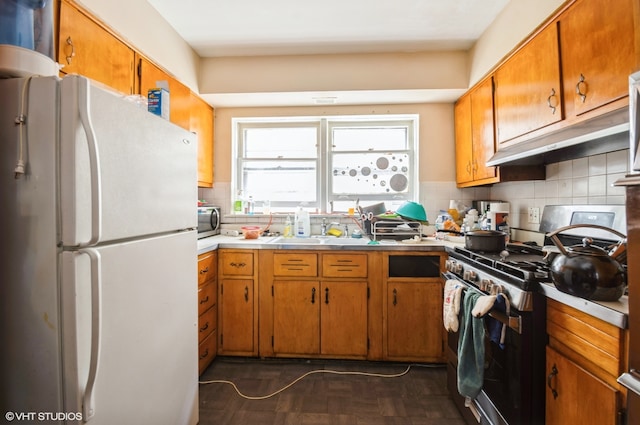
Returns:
(303,223)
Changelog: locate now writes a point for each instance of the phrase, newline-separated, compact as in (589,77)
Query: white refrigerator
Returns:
(98,293)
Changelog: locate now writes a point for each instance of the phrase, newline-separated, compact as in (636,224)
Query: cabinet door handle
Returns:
(71,55)
(204,300)
(246,294)
(555,103)
(395,297)
(326,295)
(554,372)
(313,295)
(579,92)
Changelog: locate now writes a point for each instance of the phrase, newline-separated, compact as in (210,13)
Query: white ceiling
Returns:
(220,28)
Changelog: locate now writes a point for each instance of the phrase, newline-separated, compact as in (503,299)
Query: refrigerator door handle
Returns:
(631,380)
(88,400)
(94,162)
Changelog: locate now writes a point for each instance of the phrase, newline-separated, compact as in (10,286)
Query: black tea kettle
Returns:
(587,271)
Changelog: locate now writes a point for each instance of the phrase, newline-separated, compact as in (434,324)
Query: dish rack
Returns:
(396,230)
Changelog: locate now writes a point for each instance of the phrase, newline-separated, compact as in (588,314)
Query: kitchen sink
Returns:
(319,240)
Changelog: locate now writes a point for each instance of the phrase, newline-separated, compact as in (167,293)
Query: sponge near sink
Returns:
(334,232)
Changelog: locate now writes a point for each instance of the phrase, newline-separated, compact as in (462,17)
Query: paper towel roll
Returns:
(499,207)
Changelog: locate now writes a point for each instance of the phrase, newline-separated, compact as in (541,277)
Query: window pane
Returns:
(369,138)
(370,173)
(289,142)
(281,181)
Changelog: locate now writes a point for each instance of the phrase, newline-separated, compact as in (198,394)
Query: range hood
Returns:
(607,133)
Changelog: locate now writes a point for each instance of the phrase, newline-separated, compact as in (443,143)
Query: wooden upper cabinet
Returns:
(179,95)
(475,136)
(482,130)
(464,143)
(528,92)
(596,43)
(88,49)
(201,123)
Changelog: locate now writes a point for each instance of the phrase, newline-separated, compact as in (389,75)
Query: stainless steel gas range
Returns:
(513,388)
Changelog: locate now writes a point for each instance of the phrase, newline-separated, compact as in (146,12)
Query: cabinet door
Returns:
(296,317)
(236,316)
(528,95)
(179,94)
(414,320)
(343,328)
(574,396)
(88,49)
(482,130)
(597,52)
(464,143)
(201,123)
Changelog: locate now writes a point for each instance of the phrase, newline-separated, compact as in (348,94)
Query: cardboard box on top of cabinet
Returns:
(158,100)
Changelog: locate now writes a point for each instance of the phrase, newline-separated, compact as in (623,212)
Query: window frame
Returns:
(325,198)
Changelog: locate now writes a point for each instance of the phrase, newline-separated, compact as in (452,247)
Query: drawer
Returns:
(344,265)
(593,339)
(207,351)
(295,264)
(207,323)
(207,267)
(237,263)
(207,297)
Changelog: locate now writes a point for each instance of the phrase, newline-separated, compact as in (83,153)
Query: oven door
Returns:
(513,387)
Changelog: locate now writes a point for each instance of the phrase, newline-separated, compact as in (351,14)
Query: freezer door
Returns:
(124,172)
(130,331)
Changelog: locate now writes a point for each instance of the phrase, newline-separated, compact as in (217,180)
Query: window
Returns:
(326,163)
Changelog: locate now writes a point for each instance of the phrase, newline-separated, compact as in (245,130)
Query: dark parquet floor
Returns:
(419,397)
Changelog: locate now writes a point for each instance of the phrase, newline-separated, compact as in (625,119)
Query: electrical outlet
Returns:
(534,215)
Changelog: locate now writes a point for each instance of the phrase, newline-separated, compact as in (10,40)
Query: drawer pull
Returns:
(205,270)
(204,300)
(238,265)
(246,294)
(555,103)
(554,372)
(205,354)
(71,55)
(313,295)
(579,92)
(205,327)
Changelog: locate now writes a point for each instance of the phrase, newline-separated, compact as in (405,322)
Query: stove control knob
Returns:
(448,265)
(470,275)
(486,285)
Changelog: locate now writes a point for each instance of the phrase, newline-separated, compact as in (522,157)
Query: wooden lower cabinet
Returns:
(207,309)
(575,396)
(585,356)
(414,320)
(412,326)
(238,305)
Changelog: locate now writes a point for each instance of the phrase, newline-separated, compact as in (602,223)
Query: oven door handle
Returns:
(514,322)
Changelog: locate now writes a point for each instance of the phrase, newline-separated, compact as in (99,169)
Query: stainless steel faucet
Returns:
(323,227)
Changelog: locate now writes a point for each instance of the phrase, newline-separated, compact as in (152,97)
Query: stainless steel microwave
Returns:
(209,219)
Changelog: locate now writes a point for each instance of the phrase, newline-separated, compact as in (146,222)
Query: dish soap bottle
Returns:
(303,223)
(287,232)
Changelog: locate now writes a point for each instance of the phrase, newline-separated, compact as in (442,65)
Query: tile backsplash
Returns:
(586,180)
